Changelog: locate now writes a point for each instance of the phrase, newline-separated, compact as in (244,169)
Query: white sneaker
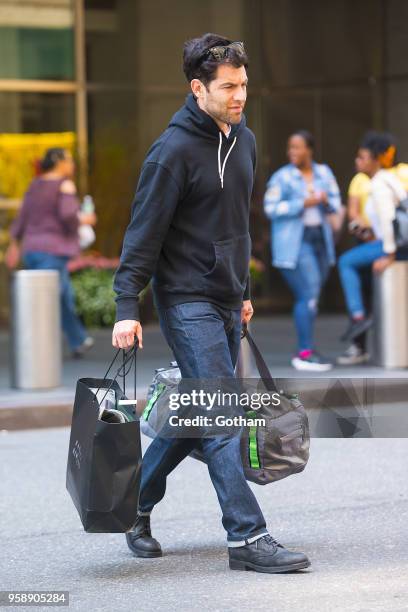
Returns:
(312,363)
(353,355)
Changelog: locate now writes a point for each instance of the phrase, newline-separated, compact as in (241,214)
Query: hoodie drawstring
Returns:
(221,169)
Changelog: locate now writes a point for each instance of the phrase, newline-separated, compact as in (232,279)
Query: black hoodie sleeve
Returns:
(153,208)
(247,292)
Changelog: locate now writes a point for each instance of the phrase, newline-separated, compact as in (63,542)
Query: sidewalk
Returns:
(275,336)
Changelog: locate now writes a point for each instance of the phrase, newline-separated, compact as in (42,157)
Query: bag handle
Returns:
(128,358)
(263,369)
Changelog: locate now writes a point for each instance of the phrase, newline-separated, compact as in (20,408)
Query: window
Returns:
(36,39)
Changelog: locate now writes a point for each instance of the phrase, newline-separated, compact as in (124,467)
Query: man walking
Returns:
(189,231)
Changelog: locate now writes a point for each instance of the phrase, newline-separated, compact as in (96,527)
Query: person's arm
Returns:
(353,208)
(17,228)
(247,291)
(12,255)
(333,203)
(153,208)
(68,206)
(361,229)
(280,202)
(384,205)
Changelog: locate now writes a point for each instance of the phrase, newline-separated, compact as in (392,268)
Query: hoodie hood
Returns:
(194,120)
(191,118)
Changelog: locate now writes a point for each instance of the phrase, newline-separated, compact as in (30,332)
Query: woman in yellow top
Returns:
(360,226)
(376,155)
(358,193)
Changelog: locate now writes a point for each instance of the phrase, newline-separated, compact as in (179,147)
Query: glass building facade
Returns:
(109,72)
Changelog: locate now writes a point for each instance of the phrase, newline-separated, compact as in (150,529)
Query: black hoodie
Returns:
(190,216)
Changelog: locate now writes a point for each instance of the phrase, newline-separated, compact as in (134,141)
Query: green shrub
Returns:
(94,296)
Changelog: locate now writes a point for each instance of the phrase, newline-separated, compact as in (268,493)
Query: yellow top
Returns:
(360,187)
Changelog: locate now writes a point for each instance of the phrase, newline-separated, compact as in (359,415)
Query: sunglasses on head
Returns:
(219,53)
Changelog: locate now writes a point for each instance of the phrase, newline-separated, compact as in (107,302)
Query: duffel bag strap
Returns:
(260,361)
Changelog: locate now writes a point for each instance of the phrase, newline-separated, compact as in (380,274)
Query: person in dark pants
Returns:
(189,231)
(47,227)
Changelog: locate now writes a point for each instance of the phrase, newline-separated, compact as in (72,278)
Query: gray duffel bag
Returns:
(269,452)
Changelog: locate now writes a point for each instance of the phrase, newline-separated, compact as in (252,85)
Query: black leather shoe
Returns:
(266,555)
(140,540)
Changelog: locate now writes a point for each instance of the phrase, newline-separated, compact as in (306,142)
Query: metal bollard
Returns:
(391,316)
(36,356)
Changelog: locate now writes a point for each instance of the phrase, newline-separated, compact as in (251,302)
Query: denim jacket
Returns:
(284,205)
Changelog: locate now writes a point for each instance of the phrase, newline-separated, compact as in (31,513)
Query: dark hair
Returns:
(377,142)
(196,65)
(51,158)
(307,137)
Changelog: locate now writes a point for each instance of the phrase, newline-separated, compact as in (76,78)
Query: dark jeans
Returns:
(205,341)
(306,282)
(71,325)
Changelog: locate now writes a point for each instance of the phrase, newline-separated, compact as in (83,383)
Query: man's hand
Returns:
(124,332)
(381,264)
(246,311)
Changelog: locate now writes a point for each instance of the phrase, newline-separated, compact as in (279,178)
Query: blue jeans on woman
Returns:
(71,325)
(352,264)
(306,282)
(205,340)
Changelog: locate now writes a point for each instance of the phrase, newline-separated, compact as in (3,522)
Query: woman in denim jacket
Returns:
(298,198)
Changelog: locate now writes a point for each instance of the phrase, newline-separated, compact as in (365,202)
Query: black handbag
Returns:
(105,456)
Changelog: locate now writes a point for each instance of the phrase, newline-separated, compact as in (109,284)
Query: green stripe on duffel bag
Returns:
(149,406)
(253,444)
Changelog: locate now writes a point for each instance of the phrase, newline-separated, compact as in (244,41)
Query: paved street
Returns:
(348,511)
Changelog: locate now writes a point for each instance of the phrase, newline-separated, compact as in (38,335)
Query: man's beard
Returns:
(223,115)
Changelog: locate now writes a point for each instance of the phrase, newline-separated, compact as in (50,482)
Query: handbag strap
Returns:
(128,358)
(263,369)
